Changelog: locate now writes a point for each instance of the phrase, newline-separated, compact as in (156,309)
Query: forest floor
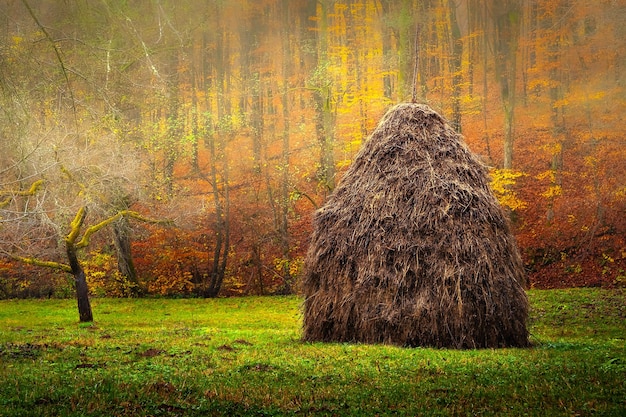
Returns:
(244,356)
(605,273)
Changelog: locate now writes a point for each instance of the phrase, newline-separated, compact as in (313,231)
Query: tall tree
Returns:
(122,238)
(324,99)
(456,64)
(283,219)
(217,141)
(507,16)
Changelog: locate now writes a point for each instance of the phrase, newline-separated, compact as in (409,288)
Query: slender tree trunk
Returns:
(80,282)
(482,17)
(358,35)
(218,143)
(387,41)
(224,225)
(174,122)
(457,55)
(194,120)
(258,266)
(214,276)
(507,17)
(406,49)
(324,104)
(556,94)
(509,135)
(125,263)
(283,223)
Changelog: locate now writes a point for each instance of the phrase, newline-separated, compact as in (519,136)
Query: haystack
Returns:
(412,248)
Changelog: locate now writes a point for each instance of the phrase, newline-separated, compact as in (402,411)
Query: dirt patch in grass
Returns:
(21,350)
(226,348)
(152,352)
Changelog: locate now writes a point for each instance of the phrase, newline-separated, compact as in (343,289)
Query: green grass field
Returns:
(243,356)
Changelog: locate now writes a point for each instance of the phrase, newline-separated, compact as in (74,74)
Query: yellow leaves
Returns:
(599,95)
(354,144)
(294,266)
(511,201)
(591,161)
(552,191)
(553,148)
(471,104)
(620,193)
(343,163)
(537,84)
(14,47)
(100,271)
(550,174)
(502,181)
(607,259)
(176,282)
(230,123)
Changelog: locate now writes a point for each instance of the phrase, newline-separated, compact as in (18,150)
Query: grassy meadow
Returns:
(243,356)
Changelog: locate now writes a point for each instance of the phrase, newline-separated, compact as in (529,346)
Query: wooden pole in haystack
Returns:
(412,248)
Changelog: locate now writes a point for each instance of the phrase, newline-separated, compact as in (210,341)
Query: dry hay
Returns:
(412,248)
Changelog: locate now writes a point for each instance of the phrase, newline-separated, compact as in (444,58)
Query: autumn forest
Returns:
(179,148)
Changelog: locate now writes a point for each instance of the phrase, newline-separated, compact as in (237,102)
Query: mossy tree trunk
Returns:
(73,245)
(80,280)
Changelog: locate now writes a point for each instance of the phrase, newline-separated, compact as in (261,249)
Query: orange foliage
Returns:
(245,97)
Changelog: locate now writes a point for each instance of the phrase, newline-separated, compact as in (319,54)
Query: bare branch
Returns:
(58,55)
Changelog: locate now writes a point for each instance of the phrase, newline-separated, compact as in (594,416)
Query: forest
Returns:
(179,148)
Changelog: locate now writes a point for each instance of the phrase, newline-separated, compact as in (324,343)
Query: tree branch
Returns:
(11,194)
(57,52)
(75,225)
(124,213)
(46,264)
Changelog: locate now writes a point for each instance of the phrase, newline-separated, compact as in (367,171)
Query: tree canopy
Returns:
(236,119)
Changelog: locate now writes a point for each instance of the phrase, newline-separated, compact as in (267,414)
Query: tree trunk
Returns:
(324,105)
(80,282)
(217,143)
(283,223)
(388,53)
(125,264)
(174,124)
(258,266)
(456,66)
(406,49)
(507,16)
